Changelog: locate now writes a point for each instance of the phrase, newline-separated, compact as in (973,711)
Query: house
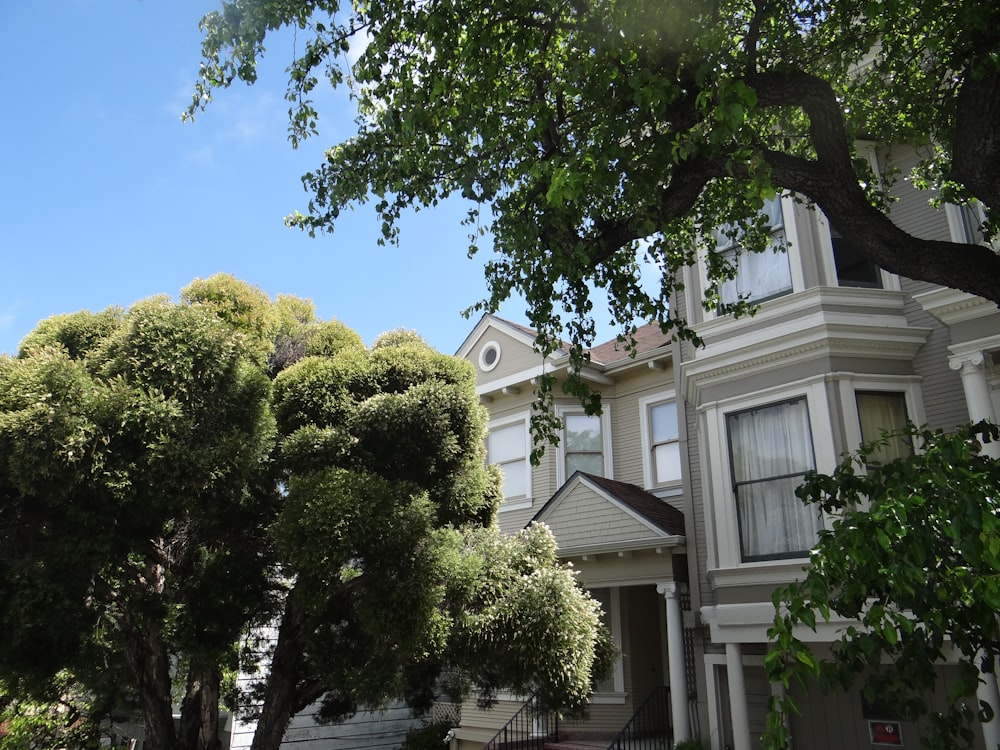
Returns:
(613,495)
(677,505)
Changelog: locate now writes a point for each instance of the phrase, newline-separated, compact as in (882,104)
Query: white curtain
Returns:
(771,449)
(758,275)
(883,412)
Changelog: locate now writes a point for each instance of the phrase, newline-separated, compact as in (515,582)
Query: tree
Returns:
(161,497)
(592,135)
(913,557)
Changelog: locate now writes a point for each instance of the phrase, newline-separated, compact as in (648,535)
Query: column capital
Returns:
(967,360)
(670,589)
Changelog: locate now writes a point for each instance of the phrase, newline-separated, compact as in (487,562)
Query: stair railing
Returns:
(649,728)
(529,729)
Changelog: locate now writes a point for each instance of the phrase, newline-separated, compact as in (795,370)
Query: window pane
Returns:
(515,479)
(667,462)
(506,443)
(853,267)
(772,210)
(663,419)
(590,463)
(583,432)
(607,685)
(972,224)
(771,441)
(771,449)
(879,413)
(758,275)
(773,522)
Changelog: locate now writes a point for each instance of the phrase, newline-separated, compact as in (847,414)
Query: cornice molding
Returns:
(951,306)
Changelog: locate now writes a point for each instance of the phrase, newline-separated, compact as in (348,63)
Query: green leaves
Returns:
(910,558)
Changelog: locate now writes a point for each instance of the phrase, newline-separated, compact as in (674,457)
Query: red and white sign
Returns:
(885,733)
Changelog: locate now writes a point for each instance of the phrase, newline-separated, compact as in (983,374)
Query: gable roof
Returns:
(593,514)
(661,513)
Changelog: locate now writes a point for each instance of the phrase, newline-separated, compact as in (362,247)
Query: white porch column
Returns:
(972,367)
(675,660)
(988,693)
(737,697)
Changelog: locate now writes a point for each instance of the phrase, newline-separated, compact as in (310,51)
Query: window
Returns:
(770,450)
(489,356)
(660,441)
(584,443)
(611,619)
(853,267)
(970,220)
(507,447)
(759,276)
(878,413)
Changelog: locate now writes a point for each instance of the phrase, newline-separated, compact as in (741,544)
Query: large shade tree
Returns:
(176,478)
(593,138)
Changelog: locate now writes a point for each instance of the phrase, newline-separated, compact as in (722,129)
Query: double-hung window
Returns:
(584,444)
(770,450)
(759,276)
(507,447)
(660,440)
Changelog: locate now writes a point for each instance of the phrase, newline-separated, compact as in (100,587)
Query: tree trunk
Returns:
(281,694)
(199,725)
(147,656)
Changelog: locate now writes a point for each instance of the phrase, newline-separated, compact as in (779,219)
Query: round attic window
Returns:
(489,356)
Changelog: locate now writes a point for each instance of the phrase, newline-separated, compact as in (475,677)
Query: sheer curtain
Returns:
(758,275)
(771,448)
(883,412)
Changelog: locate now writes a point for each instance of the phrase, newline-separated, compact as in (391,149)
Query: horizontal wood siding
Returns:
(912,211)
(836,721)
(584,517)
(378,730)
(515,357)
(944,397)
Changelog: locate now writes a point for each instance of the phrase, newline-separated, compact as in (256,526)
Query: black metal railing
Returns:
(529,729)
(649,728)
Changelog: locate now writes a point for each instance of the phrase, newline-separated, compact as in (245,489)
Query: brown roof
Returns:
(647,338)
(658,512)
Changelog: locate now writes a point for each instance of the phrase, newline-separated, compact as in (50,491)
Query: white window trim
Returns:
(850,384)
(645,404)
(956,222)
(725,546)
(488,347)
(561,412)
(792,245)
(617,696)
(519,503)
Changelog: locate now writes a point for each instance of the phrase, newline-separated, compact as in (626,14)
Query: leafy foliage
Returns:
(913,556)
(162,497)
(595,140)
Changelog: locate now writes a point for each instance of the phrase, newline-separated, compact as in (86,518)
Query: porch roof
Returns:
(594,513)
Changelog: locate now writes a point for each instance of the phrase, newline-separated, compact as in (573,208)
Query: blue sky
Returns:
(107,197)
